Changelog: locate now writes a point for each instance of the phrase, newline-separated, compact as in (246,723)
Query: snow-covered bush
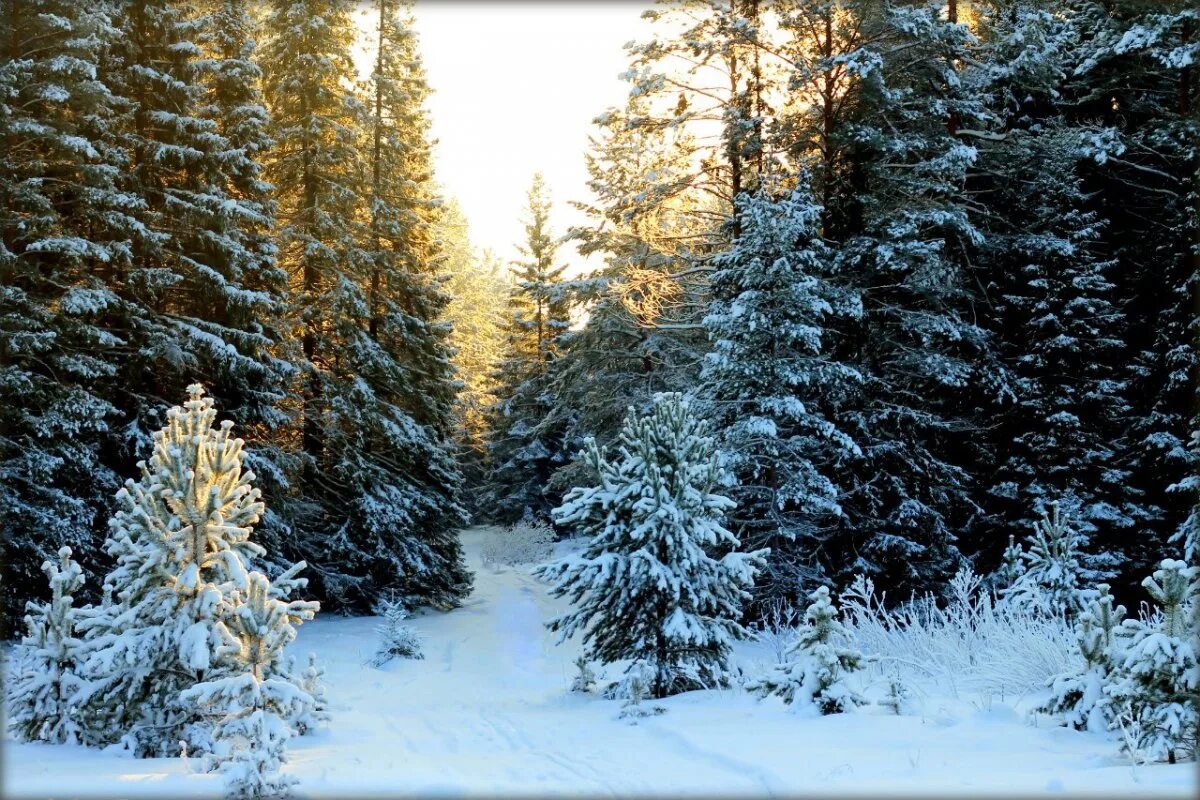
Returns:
(254,709)
(41,704)
(648,586)
(1078,696)
(1050,577)
(776,627)
(1155,688)
(524,543)
(817,665)
(970,643)
(396,640)
(181,542)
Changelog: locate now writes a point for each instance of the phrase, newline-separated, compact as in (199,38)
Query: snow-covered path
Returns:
(488,711)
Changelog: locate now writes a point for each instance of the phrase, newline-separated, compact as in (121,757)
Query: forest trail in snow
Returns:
(488,711)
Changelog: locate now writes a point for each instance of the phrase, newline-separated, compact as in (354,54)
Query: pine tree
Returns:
(649,587)
(41,699)
(1053,575)
(1078,697)
(526,443)
(817,664)
(253,706)
(775,390)
(647,223)
(1157,685)
(64,226)
(181,545)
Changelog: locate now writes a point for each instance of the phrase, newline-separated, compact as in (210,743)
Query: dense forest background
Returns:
(927,267)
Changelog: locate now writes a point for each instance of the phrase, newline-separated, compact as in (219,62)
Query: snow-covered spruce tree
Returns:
(377,390)
(1052,580)
(202,295)
(922,354)
(773,388)
(396,640)
(181,542)
(1156,687)
(644,225)
(817,664)
(526,442)
(1079,697)
(41,698)
(64,227)
(649,586)
(252,706)
(1061,431)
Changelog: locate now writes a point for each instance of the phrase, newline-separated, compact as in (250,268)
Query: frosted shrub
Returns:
(396,640)
(816,666)
(527,542)
(776,627)
(971,643)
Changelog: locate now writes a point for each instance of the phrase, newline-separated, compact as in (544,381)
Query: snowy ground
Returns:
(488,711)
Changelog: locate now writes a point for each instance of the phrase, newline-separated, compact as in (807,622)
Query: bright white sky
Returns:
(515,88)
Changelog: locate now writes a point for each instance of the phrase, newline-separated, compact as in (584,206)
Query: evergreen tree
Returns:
(817,664)
(253,706)
(181,545)
(526,442)
(917,344)
(1053,576)
(201,296)
(377,391)
(774,389)
(405,479)
(642,333)
(1078,697)
(64,226)
(41,700)
(1157,685)
(649,586)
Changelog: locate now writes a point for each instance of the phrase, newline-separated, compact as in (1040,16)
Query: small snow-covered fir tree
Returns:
(396,640)
(817,664)
(649,586)
(1079,697)
(1156,689)
(312,681)
(253,704)
(1052,578)
(41,697)
(1011,568)
(181,542)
